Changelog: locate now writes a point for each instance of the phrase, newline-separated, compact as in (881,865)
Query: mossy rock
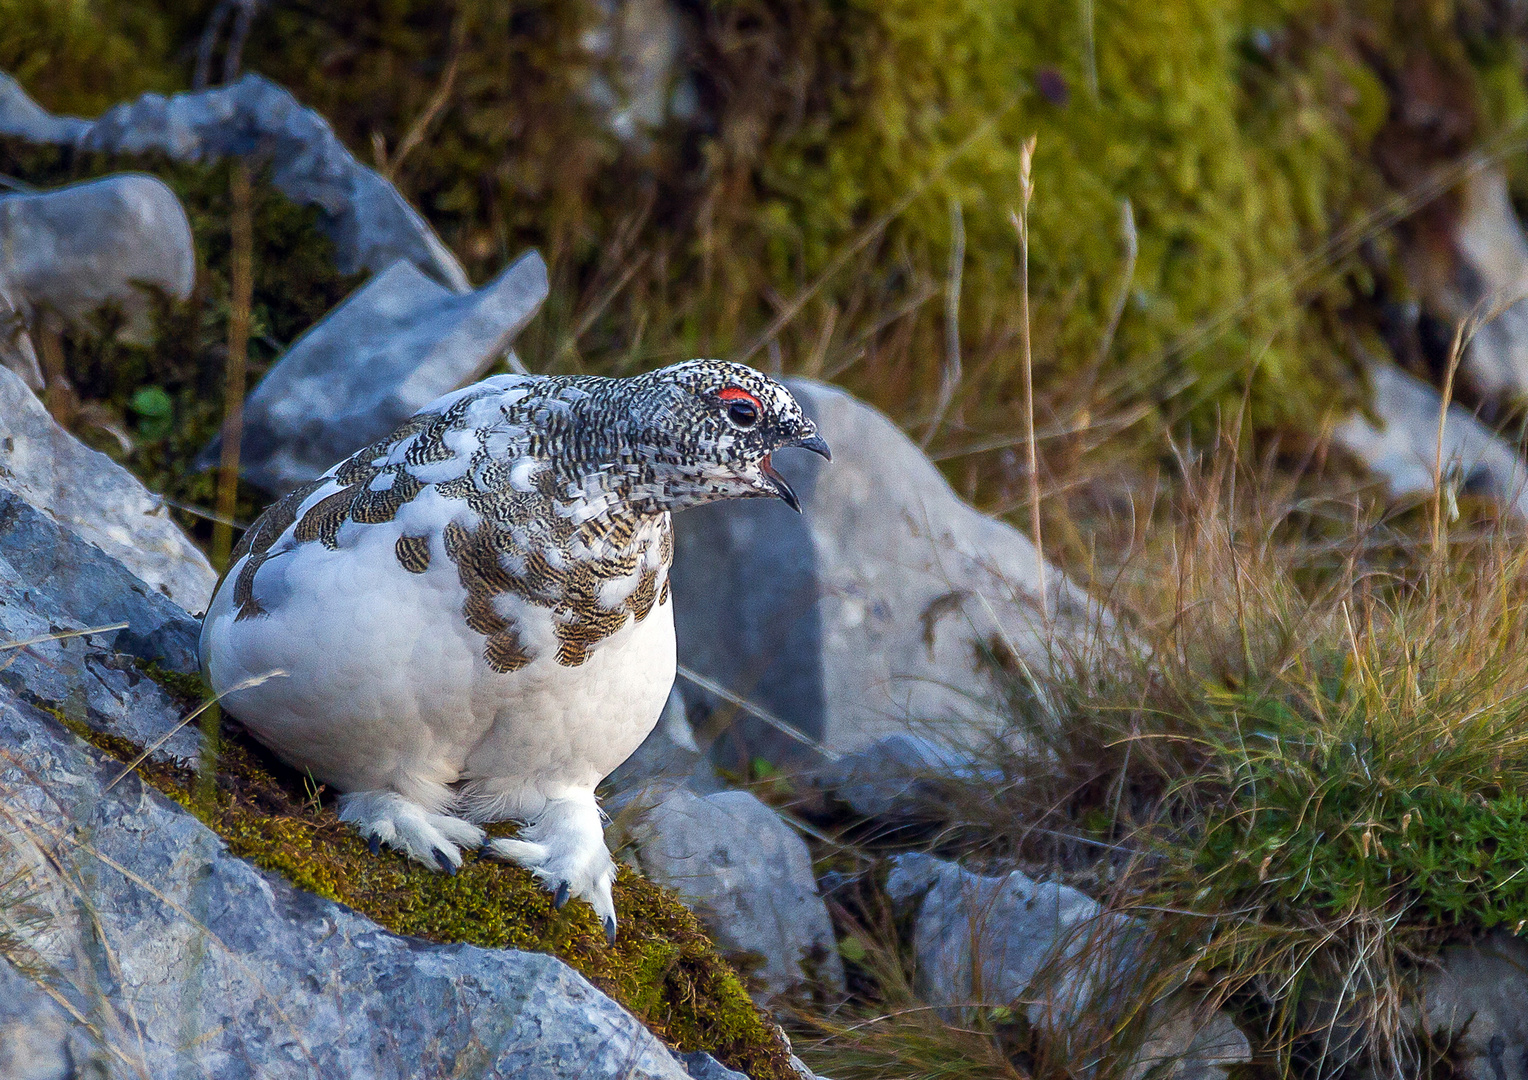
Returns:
(663,966)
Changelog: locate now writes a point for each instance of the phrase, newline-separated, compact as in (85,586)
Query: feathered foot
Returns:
(565,848)
(385,817)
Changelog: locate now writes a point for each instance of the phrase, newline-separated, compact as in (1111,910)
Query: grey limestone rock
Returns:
(1402,447)
(393,346)
(1001,940)
(749,877)
(372,225)
(1477,998)
(986,940)
(73,250)
(87,677)
(1187,1042)
(92,496)
(879,595)
(899,776)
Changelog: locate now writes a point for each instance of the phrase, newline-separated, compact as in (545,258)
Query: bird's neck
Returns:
(616,489)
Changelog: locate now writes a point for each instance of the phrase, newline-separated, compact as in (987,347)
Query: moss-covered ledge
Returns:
(663,966)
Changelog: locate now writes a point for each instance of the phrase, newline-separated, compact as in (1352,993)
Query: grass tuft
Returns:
(1304,768)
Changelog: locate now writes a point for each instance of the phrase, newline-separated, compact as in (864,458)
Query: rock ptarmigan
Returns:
(473,615)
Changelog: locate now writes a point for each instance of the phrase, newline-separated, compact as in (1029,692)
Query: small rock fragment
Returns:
(1187,1043)
(981,939)
(749,878)
(74,250)
(702,1066)
(1403,447)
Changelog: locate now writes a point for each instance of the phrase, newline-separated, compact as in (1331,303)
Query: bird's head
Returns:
(706,430)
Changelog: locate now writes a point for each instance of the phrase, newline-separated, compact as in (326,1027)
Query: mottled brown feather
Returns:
(256,543)
(413,553)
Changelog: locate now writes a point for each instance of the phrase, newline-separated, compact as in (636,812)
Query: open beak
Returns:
(817,445)
(777,482)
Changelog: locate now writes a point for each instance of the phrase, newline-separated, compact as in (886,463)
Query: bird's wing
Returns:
(519,538)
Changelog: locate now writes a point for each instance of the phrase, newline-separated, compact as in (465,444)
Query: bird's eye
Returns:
(743,413)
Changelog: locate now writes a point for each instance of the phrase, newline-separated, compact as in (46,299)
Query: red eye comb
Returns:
(737,393)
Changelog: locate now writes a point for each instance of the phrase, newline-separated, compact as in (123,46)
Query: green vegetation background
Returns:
(1257,141)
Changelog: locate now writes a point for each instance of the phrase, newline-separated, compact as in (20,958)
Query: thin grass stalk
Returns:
(1232,470)
(241,296)
(1455,354)
(1021,224)
(61,635)
(249,683)
(952,373)
(814,364)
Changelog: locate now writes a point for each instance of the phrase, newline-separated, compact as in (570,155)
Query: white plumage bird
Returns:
(473,615)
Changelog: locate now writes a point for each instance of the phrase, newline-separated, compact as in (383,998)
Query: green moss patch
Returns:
(663,966)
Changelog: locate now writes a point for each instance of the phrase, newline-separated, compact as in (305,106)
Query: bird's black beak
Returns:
(817,445)
(777,482)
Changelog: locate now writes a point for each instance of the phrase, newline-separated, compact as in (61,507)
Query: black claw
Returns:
(444,861)
(375,844)
(561,896)
(610,929)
